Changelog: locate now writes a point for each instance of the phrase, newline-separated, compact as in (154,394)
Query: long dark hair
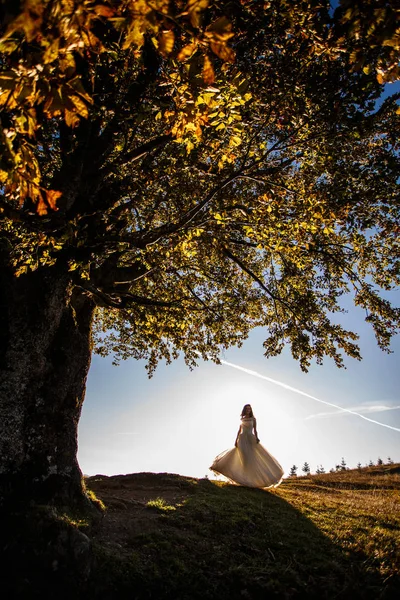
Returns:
(244,411)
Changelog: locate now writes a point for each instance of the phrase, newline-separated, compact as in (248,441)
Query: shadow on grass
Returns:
(225,541)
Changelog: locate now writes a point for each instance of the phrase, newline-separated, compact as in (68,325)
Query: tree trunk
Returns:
(45,351)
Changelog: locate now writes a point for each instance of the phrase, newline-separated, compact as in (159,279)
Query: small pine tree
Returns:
(293,471)
(306,468)
(331,470)
(370,464)
(321,469)
(338,467)
(359,466)
(389,461)
(343,465)
(379,461)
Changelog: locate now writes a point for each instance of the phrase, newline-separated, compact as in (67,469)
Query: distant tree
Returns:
(293,471)
(370,464)
(389,461)
(338,468)
(306,468)
(320,470)
(331,470)
(343,465)
(359,466)
(379,462)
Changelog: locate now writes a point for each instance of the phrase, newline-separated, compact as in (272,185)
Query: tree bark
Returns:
(45,352)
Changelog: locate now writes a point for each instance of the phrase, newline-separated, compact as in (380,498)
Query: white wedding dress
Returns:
(249,463)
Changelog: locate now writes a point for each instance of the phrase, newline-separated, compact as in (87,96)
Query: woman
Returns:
(248,463)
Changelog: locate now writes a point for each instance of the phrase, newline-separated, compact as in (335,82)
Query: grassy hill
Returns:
(169,537)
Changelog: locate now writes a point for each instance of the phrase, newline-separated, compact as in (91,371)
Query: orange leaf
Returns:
(208,71)
(52,196)
(71,118)
(103,11)
(41,207)
(223,51)
(186,51)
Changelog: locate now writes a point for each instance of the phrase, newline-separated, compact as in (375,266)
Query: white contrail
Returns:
(292,389)
(361,408)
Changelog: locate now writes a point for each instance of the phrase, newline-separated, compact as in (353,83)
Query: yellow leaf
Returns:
(166,42)
(80,106)
(3,176)
(195,8)
(67,62)
(51,52)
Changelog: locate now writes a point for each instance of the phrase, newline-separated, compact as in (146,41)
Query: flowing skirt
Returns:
(249,464)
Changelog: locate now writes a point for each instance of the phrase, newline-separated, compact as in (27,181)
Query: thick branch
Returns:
(126,299)
(130,157)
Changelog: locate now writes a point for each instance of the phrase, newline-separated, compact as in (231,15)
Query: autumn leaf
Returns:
(223,51)
(208,71)
(220,30)
(80,106)
(187,51)
(51,197)
(41,207)
(104,11)
(166,42)
(52,51)
(71,118)
(194,8)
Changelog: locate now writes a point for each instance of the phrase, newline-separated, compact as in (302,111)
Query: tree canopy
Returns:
(200,169)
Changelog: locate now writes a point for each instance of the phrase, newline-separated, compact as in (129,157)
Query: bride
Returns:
(248,463)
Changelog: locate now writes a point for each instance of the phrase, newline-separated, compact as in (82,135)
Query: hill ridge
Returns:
(174,537)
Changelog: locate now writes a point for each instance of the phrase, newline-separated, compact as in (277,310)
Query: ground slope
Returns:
(169,537)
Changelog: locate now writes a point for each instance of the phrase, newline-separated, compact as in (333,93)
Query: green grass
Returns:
(160,505)
(328,536)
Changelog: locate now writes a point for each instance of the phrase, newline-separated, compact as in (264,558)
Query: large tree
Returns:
(173,175)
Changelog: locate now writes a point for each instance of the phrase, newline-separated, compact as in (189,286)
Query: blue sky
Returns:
(179,420)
